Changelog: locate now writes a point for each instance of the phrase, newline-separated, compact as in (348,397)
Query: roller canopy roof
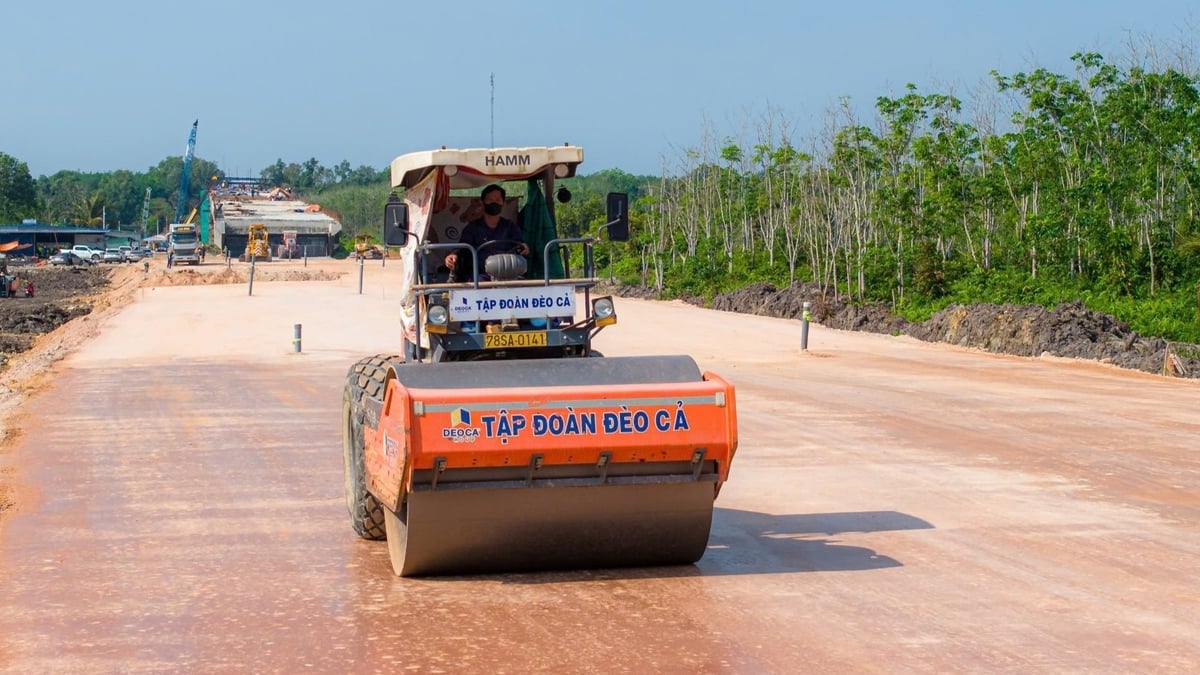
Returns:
(474,167)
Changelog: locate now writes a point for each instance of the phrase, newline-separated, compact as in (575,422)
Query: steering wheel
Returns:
(513,245)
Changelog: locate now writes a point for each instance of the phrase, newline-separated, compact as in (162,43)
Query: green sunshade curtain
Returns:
(539,228)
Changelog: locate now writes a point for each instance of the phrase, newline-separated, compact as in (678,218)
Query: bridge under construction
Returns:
(238,203)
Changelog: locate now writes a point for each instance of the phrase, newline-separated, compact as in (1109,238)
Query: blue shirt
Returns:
(477,232)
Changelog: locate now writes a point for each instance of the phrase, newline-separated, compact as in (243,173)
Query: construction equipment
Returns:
(365,249)
(289,249)
(499,440)
(185,175)
(257,248)
(146,212)
(184,244)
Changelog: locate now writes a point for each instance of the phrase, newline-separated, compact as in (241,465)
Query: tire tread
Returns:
(366,379)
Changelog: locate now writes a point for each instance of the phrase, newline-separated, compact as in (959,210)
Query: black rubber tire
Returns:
(366,378)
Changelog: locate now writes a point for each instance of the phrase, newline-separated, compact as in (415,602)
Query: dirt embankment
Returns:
(1069,330)
(187,276)
(59,296)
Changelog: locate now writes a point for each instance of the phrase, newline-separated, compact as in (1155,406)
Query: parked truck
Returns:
(184,243)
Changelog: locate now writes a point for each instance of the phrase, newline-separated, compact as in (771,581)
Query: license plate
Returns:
(513,340)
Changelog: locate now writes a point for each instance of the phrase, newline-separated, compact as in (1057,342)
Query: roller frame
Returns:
(555,505)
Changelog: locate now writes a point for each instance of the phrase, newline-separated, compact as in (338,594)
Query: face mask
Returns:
(493,209)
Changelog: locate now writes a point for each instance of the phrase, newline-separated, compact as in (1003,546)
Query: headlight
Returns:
(438,315)
(602,308)
(603,311)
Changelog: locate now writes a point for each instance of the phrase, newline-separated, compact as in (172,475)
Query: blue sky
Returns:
(105,86)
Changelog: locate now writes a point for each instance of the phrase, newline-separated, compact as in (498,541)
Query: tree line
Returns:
(119,198)
(1048,187)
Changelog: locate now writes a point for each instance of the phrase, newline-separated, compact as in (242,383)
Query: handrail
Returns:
(587,254)
(588,263)
(430,246)
(512,283)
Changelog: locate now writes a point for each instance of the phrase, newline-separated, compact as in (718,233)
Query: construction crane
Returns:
(145,212)
(185,176)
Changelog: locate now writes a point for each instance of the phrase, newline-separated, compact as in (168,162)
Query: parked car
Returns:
(86,252)
(112,255)
(69,259)
(133,253)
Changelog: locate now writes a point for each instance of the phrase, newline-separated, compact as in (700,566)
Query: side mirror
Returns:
(618,216)
(395,223)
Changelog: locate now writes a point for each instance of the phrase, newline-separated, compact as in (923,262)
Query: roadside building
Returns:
(34,238)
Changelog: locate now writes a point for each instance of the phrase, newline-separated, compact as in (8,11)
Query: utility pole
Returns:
(493,110)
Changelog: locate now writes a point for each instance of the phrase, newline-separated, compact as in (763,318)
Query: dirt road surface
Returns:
(895,506)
